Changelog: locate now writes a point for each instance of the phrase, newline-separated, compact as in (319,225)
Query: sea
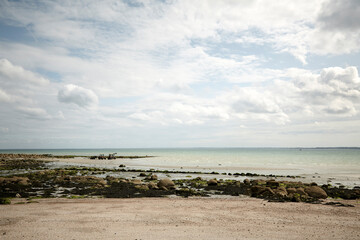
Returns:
(331,164)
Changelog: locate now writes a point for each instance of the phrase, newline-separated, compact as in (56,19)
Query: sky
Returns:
(138,74)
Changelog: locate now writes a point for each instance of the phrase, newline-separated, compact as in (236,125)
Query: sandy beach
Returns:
(169,218)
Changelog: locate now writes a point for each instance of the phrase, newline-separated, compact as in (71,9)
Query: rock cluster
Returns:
(151,177)
(285,191)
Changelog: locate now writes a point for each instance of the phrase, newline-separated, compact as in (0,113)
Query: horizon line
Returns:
(6,149)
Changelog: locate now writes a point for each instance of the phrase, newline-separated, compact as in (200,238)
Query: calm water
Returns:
(345,162)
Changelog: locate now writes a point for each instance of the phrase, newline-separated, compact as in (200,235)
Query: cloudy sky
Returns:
(236,73)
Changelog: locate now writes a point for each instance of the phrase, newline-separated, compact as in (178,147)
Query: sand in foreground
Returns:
(164,218)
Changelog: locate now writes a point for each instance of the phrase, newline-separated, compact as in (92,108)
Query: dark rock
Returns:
(234,189)
(212,182)
(142,187)
(136,182)
(110,179)
(343,193)
(152,185)
(167,183)
(247,181)
(152,177)
(258,182)
(272,183)
(266,193)
(88,180)
(301,191)
(291,190)
(256,190)
(281,192)
(294,197)
(126,190)
(316,192)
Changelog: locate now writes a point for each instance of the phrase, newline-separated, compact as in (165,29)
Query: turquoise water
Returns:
(262,160)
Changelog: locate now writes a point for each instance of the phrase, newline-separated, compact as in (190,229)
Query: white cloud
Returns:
(21,90)
(348,76)
(140,116)
(322,27)
(80,96)
(34,112)
(4,97)
(13,75)
(304,95)
(256,103)
(163,25)
(333,91)
(253,100)
(341,107)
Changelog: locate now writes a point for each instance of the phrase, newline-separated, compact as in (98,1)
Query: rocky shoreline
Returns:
(80,182)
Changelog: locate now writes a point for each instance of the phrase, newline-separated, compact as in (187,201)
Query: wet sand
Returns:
(177,218)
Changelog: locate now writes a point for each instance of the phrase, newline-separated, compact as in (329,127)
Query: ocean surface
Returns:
(343,163)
